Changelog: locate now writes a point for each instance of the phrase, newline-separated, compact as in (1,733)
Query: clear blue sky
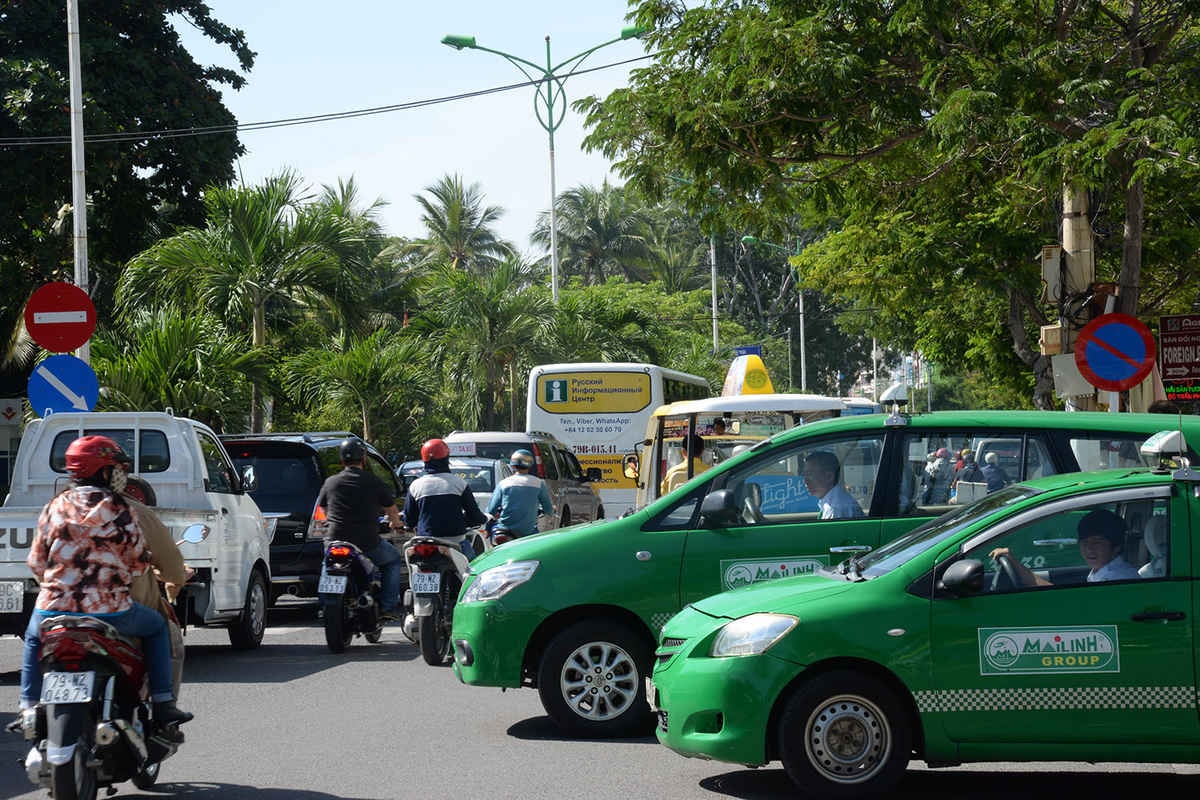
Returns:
(321,57)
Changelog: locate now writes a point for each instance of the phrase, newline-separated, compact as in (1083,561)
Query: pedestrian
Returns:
(519,499)
(352,500)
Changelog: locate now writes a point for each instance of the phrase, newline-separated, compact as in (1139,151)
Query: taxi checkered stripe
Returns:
(952,700)
(659,620)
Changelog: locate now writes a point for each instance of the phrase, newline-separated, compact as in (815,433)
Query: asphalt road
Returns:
(291,721)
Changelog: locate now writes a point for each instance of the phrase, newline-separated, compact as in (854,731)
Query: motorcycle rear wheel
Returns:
(338,631)
(75,780)
(433,637)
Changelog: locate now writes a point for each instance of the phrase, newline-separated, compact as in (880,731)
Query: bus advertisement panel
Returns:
(600,411)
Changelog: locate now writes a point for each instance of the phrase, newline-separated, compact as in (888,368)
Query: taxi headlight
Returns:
(751,635)
(498,581)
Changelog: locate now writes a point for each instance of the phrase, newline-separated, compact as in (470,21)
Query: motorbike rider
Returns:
(86,553)
(439,502)
(519,498)
(352,499)
(168,575)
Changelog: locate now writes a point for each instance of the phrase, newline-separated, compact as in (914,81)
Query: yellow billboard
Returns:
(593,392)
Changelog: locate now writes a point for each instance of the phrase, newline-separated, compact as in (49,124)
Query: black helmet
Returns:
(352,450)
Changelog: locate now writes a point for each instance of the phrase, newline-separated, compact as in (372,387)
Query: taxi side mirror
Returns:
(963,577)
(719,509)
(630,470)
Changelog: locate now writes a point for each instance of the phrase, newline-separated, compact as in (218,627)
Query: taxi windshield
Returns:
(933,533)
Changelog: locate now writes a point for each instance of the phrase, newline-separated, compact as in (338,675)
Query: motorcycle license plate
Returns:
(331,584)
(67,687)
(426,582)
(12,596)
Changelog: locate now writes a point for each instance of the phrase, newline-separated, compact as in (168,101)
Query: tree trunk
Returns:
(1130,282)
(1043,369)
(366,422)
(259,337)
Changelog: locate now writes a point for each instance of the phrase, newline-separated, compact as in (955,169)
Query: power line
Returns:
(176,133)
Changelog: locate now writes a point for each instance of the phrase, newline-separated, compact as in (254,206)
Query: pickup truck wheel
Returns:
(843,735)
(246,632)
(592,681)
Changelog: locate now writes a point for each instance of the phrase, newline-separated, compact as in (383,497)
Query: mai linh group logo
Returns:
(1009,651)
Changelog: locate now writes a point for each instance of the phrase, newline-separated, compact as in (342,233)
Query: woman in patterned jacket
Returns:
(87,551)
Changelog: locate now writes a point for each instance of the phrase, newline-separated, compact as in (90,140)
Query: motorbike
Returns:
(349,590)
(92,727)
(436,570)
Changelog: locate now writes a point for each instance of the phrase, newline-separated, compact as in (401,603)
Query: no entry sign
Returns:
(60,317)
(1114,352)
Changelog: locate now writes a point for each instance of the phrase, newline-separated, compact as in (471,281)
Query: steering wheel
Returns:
(1006,578)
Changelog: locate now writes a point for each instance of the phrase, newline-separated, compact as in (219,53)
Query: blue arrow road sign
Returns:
(63,383)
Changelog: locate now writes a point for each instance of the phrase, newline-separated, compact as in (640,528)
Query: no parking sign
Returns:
(1115,352)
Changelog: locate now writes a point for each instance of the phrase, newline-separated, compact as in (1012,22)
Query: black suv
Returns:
(283,472)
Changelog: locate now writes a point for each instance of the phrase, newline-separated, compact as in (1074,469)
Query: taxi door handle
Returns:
(1152,616)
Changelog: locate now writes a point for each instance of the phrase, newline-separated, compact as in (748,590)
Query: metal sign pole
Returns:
(78,187)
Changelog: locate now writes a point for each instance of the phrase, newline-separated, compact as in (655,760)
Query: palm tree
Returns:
(600,232)
(460,226)
(175,359)
(374,378)
(262,246)
(482,326)
(673,257)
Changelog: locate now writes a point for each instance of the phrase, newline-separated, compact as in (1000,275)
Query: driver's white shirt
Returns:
(1116,570)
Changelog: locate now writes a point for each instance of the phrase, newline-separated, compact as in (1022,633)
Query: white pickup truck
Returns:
(195,484)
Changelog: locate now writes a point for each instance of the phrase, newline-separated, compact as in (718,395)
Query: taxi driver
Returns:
(1101,536)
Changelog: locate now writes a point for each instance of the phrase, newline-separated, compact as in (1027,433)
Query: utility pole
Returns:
(78,186)
(1079,273)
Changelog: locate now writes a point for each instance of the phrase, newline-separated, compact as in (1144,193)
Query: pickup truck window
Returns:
(216,465)
(153,454)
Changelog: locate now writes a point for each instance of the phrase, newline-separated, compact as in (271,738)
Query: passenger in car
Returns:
(1101,538)
(822,479)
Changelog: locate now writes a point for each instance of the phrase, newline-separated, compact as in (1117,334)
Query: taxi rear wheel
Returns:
(844,734)
(592,681)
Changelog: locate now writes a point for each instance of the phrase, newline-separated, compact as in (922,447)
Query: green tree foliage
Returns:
(262,246)
(384,380)
(936,138)
(601,233)
(181,360)
(460,226)
(136,78)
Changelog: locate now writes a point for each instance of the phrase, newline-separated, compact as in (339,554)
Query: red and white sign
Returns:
(60,317)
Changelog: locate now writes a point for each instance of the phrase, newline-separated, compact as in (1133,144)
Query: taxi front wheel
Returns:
(592,681)
(844,734)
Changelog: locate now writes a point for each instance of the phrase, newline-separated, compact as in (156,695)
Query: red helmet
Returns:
(434,448)
(88,455)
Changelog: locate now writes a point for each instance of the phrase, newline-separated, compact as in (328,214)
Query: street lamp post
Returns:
(550,90)
(800,296)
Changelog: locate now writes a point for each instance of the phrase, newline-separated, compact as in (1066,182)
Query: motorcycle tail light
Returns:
(425,550)
(339,551)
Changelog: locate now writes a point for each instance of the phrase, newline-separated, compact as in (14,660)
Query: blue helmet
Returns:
(521,459)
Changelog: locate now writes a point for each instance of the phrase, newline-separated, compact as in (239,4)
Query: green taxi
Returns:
(997,632)
(577,613)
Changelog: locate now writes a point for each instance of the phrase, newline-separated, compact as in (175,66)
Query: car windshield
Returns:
(479,475)
(903,549)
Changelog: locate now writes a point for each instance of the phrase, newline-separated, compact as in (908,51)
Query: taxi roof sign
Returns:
(747,375)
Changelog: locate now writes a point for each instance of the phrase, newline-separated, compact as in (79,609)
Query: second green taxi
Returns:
(1050,621)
